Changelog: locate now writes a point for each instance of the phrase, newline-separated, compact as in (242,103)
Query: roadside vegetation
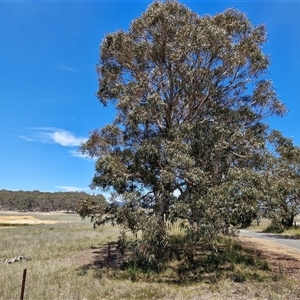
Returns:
(267,225)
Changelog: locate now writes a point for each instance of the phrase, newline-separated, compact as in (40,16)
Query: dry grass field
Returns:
(69,261)
(17,220)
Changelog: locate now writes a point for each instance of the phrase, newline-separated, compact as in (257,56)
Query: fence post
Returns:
(23,284)
(108,260)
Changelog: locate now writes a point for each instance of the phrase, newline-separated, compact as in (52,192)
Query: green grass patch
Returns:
(293,232)
(267,226)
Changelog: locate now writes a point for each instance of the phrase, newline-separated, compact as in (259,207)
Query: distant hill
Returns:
(45,201)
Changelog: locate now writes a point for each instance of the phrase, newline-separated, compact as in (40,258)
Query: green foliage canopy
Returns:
(282,178)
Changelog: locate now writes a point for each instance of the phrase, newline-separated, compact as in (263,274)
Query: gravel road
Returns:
(283,240)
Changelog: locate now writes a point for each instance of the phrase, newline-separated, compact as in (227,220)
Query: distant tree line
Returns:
(46,201)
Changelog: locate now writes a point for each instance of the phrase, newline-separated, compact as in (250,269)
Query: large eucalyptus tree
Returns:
(188,140)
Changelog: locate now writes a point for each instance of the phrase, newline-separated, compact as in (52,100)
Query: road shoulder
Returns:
(281,259)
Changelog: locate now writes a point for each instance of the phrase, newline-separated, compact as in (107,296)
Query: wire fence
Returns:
(30,288)
(39,284)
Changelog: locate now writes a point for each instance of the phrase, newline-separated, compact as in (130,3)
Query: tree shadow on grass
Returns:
(205,263)
(104,258)
(227,260)
(283,236)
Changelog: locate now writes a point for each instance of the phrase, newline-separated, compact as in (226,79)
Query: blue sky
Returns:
(48,53)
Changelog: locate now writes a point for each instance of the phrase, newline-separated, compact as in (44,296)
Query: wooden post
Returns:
(23,284)
(108,260)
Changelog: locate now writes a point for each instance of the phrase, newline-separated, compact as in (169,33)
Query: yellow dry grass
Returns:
(20,219)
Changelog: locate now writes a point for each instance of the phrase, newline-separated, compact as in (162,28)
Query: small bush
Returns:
(151,251)
(275,227)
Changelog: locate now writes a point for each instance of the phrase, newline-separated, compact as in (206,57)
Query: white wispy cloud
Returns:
(54,135)
(65,138)
(77,153)
(66,68)
(68,188)
(25,138)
